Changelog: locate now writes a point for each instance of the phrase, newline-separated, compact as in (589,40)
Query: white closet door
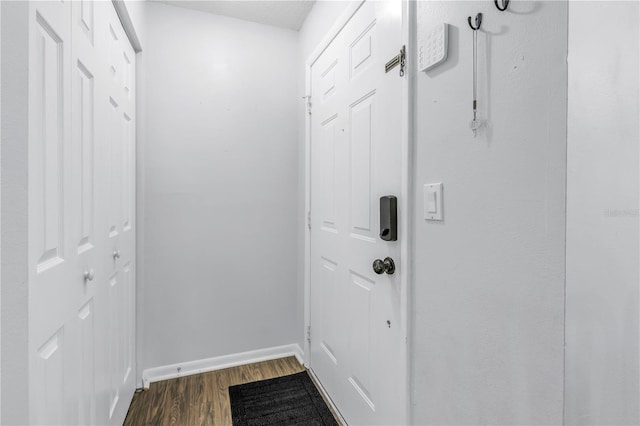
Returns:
(118,106)
(81,187)
(57,288)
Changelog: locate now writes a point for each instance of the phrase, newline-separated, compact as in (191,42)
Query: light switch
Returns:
(432,202)
(433,207)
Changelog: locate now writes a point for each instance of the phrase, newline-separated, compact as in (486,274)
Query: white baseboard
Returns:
(172,371)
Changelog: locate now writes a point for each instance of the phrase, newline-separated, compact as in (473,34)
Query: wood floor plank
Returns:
(201,399)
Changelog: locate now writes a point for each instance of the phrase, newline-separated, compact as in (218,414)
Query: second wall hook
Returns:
(505,5)
(478,22)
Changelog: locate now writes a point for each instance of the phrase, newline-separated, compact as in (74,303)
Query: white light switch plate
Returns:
(433,206)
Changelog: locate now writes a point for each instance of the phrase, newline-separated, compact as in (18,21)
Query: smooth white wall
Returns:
(13,169)
(320,20)
(602,331)
(488,289)
(220,187)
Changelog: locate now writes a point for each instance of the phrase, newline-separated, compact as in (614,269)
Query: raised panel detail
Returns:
(114,403)
(115,342)
(361,50)
(86,411)
(328,163)
(329,80)
(49,376)
(329,322)
(127,171)
(86,18)
(47,187)
(361,334)
(361,173)
(127,77)
(113,52)
(115,167)
(127,304)
(84,132)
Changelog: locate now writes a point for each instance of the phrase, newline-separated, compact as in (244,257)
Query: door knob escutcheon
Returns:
(384,266)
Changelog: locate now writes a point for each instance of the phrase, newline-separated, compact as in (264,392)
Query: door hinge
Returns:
(309,334)
(307,98)
(399,59)
(309,220)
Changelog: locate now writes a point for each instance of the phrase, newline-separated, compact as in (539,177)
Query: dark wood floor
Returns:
(201,399)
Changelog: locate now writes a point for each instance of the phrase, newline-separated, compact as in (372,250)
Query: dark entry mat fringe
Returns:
(288,400)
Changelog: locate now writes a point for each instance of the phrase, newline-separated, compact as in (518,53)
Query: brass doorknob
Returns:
(381,266)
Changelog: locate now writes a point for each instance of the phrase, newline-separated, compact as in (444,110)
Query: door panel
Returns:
(85,335)
(115,132)
(356,159)
(128,297)
(49,131)
(328,151)
(51,251)
(51,393)
(127,168)
(81,189)
(84,136)
(361,215)
(87,366)
(86,18)
(120,96)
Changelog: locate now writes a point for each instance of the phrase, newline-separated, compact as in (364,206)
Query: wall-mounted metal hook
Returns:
(505,5)
(478,22)
(475,123)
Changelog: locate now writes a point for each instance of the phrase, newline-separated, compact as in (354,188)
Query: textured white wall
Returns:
(602,355)
(220,185)
(13,169)
(488,290)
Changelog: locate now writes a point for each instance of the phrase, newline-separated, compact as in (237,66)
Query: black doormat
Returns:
(288,400)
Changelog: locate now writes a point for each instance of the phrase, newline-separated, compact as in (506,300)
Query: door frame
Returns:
(405,202)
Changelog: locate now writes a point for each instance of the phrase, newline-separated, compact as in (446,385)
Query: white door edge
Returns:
(406,205)
(406,200)
(129,29)
(327,398)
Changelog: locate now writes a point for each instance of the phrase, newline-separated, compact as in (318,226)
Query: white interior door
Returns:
(356,141)
(80,167)
(85,175)
(119,106)
(56,284)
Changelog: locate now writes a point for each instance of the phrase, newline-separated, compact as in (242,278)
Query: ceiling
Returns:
(279,13)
